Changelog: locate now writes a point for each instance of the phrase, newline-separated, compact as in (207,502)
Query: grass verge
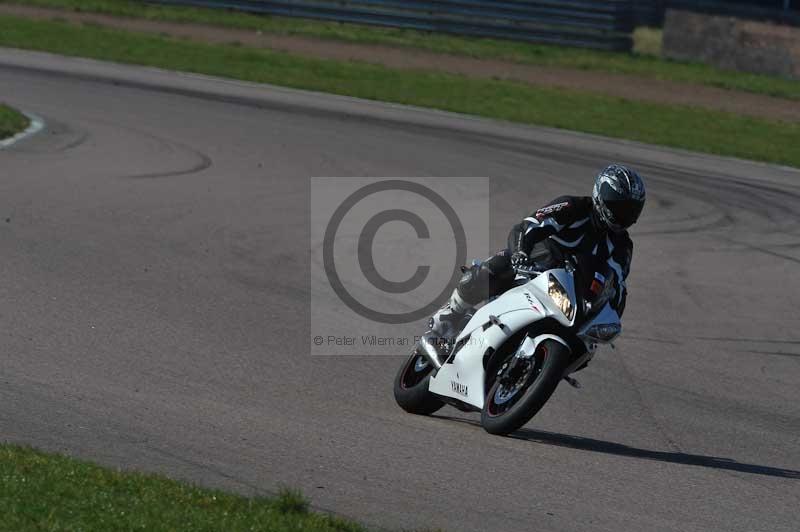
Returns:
(682,127)
(646,63)
(42,491)
(11,121)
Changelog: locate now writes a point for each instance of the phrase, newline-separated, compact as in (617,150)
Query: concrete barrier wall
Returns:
(731,43)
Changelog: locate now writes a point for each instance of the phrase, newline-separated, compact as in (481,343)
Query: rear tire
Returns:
(500,418)
(411,386)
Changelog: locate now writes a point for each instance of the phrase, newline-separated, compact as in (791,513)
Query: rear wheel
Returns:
(522,387)
(411,386)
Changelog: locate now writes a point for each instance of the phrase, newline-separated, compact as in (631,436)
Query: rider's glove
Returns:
(520,259)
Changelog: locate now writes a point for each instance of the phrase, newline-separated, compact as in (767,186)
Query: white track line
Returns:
(36,125)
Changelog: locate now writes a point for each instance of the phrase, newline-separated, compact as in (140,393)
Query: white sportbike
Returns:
(513,351)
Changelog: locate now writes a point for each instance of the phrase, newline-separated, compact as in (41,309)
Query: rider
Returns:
(590,227)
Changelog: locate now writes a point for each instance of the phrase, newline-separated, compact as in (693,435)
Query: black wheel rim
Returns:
(417,368)
(513,382)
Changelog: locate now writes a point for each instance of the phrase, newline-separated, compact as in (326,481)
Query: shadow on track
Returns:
(618,449)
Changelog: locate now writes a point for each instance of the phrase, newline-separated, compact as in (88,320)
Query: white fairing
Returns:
(462,376)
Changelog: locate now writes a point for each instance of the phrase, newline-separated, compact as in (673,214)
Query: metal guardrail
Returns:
(784,11)
(602,24)
(651,12)
(648,12)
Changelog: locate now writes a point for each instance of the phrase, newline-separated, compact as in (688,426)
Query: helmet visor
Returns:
(625,212)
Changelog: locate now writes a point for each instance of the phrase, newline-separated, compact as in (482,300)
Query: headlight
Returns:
(604,332)
(559,295)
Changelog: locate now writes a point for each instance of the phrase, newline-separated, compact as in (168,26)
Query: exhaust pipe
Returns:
(430,352)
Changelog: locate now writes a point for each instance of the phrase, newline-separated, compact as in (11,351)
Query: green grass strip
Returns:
(11,121)
(682,127)
(40,491)
(621,63)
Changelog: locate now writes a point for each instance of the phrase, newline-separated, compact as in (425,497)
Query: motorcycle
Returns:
(511,353)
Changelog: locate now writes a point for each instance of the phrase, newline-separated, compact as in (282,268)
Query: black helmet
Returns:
(618,197)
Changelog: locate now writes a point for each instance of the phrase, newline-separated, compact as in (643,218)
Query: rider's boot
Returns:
(444,325)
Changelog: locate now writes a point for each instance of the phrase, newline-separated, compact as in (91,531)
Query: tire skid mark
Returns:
(652,339)
(705,399)
(747,340)
(81,140)
(203,161)
(527,149)
(777,353)
(50,134)
(741,197)
(762,249)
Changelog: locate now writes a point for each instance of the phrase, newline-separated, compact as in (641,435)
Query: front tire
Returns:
(411,386)
(513,400)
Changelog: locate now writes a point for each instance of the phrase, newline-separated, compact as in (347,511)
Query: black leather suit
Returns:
(565,225)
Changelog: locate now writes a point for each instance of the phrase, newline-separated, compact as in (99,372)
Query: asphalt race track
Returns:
(154,309)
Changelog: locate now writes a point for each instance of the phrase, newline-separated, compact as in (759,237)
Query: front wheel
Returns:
(411,386)
(522,388)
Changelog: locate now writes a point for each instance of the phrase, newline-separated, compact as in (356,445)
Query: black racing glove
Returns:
(520,259)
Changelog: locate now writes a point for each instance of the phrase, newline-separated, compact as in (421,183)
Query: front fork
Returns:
(524,355)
